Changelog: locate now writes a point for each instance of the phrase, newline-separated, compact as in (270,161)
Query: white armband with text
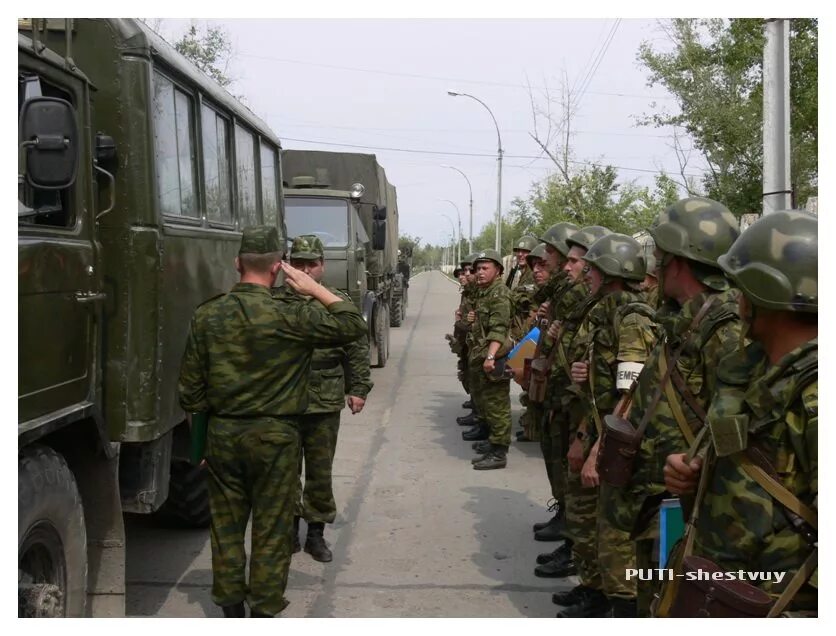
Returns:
(627,372)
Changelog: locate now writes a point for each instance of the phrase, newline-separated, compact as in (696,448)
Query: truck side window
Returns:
(269,185)
(174,149)
(36,206)
(217,173)
(245,169)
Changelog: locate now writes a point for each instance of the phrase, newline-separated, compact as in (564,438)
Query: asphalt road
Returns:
(419,533)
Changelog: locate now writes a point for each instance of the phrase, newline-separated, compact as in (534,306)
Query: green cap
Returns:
(775,262)
(259,239)
(488,255)
(586,236)
(538,252)
(307,247)
(526,243)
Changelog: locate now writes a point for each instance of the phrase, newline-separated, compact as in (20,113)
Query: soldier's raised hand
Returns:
(580,372)
(543,309)
(471,316)
(554,329)
(299,280)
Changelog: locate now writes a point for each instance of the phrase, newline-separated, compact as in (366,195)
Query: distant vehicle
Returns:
(346,200)
(136,175)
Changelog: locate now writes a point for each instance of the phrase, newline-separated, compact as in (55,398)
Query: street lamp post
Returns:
(470,189)
(498,246)
(459,217)
(453,226)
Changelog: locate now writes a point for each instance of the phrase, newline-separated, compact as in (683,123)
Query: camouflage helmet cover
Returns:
(259,239)
(557,234)
(617,255)
(307,247)
(775,262)
(585,237)
(696,228)
(539,251)
(526,243)
(489,255)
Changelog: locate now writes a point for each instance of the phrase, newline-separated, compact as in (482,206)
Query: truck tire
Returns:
(382,336)
(51,537)
(397,310)
(187,505)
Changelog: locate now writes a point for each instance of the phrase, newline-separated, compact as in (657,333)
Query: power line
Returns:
(433,77)
(596,64)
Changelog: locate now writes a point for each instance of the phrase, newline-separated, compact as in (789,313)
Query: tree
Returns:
(715,73)
(210,50)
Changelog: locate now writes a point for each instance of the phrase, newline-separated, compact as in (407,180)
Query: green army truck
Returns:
(346,200)
(136,175)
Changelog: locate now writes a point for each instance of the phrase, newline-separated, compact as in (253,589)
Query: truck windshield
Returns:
(326,218)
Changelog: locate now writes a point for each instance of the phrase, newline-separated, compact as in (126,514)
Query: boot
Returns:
(478,432)
(496,458)
(555,530)
(234,611)
(591,604)
(257,614)
(481,447)
(560,568)
(315,543)
(569,597)
(622,607)
(562,552)
(468,404)
(468,420)
(297,547)
(552,506)
(522,437)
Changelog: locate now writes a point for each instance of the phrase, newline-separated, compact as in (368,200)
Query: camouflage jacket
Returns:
(740,526)
(335,371)
(468,301)
(493,321)
(717,335)
(522,302)
(249,355)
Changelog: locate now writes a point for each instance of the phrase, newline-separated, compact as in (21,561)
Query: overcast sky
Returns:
(383,84)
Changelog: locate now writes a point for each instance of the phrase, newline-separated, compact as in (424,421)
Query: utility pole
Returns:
(777,190)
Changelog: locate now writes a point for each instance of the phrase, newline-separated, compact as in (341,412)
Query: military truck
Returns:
(346,200)
(136,174)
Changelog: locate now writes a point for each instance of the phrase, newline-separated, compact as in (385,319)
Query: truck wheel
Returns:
(51,537)
(382,336)
(397,311)
(187,505)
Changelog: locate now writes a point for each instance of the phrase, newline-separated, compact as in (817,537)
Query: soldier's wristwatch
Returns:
(580,435)
(491,357)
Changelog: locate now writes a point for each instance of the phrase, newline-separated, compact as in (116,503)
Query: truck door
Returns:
(57,294)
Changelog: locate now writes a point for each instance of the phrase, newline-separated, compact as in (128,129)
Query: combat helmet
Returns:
(489,255)
(695,228)
(466,260)
(586,236)
(557,234)
(539,251)
(775,262)
(527,242)
(617,255)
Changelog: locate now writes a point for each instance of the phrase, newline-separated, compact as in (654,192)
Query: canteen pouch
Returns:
(618,451)
(539,380)
(697,598)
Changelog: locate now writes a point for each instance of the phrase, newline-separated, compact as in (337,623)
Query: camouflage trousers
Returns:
(464,374)
(315,500)
(616,553)
(582,527)
(493,401)
(554,455)
(532,418)
(252,466)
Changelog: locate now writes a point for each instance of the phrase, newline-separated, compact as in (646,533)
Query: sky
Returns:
(382,85)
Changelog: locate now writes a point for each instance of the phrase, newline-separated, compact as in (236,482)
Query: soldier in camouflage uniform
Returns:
(458,344)
(247,364)
(650,286)
(690,235)
(764,416)
(488,341)
(339,375)
(520,273)
(612,344)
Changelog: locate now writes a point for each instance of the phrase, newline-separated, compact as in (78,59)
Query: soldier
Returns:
(461,328)
(246,365)
(488,341)
(520,273)
(650,286)
(609,351)
(757,499)
(339,376)
(698,314)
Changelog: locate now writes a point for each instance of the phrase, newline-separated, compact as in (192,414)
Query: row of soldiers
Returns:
(702,387)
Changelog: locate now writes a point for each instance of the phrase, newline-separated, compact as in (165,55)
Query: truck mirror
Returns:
(378,235)
(49,135)
(379,214)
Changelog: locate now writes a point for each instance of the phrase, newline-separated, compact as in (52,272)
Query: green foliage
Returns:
(715,72)
(209,51)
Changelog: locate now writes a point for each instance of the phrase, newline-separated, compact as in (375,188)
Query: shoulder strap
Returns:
(804,573)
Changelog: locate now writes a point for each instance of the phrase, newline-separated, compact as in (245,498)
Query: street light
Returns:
(459,217)
(470,233)
(457,255)
(499,171)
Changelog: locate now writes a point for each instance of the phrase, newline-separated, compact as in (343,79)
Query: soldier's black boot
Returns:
(478,432)
(468,420)
(468,404)
(315,543)
(569,597)
(257,614)
(623,607)
(552,506)
(563,552)
(559,568)
(496,458)
(555,530)
(234,611)
(591,604)
(296,545)
(481,447)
